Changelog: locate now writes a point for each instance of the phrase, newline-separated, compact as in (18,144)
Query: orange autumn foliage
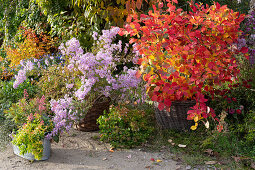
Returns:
(33,46)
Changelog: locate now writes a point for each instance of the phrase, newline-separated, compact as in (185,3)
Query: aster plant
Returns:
(92,76)
(85,77)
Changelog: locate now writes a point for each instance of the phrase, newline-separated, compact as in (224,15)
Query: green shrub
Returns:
(9,95)
(126,127)
(245,131)
(242,6)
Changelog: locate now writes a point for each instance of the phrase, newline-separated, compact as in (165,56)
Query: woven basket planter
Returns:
(177,117)
(89,122)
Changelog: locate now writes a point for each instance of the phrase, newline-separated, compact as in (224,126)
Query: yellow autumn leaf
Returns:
(194,127)
(158,160)
(196,118)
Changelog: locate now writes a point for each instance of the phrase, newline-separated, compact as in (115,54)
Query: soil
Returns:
(81,151)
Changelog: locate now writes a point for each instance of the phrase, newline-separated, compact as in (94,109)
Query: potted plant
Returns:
(184,54)
(91,80)
(32,125)
(86,80)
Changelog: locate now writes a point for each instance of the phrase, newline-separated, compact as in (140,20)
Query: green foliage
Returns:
(225,144)
(242,7)
(210,145)
(12,13)
(52,84)
(245,131)
(30,136)
(247,72)
(9,95)
(30,117)
(237,99)
(18,112)
(126,127)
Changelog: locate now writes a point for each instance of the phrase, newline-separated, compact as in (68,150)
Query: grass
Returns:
(203,146)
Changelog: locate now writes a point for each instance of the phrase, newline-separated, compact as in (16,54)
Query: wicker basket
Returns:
(176,118)
(89,122)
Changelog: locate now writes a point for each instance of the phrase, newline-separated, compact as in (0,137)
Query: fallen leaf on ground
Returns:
(152,159)
(148,167)
(236,158)
(158,160)
(111,150)
(170,140)
(104,159)
(182,146)
(173,144)
(210,162)
(209,151)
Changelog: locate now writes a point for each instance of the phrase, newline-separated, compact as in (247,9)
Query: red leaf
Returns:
(178,95)
(211,65)
(175,1)
(201,98)
(161,106)
(167,102)
(140,60)
(174,84)
(157,88)
(154,98)
(217,5)
(146,77)
(178,19)
(160,82)
(160,4)
(220,29)
(165,89)
(138,73)
(244,50)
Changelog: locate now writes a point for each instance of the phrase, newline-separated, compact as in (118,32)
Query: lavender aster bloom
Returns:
(29,65)
(94,35)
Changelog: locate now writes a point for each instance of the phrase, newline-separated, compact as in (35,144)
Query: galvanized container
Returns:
(30,156)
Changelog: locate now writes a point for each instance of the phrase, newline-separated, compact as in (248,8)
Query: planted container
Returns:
(30,156)
(176,118)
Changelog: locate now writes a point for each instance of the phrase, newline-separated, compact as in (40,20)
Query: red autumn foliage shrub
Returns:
(185,54)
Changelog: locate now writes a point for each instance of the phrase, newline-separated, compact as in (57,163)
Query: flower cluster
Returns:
(21,77)
(91,74)
(32,121)
(64,116)
(96,68)
(27,66)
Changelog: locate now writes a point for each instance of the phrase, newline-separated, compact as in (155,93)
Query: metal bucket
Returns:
(30,156)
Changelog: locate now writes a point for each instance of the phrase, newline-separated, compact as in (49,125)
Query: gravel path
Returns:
(79,151)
